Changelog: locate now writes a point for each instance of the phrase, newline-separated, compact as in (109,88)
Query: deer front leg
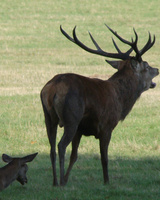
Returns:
(104,143)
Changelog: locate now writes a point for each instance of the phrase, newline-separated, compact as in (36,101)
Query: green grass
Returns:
(32,51)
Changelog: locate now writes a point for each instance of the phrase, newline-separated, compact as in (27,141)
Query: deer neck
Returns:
(128,91)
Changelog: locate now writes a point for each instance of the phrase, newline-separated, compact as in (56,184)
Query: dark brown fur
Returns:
(86,106)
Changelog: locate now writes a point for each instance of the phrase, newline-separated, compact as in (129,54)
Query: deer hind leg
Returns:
(72,115)
(74,154)
(69,132)
(51,121)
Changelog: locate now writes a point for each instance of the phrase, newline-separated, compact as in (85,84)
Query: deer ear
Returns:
(28,158)
(115,64)
(6,158)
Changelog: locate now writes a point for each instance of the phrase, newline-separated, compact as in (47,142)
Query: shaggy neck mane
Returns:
(127,88)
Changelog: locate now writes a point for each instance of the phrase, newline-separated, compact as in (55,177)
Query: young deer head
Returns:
(86,106)
(16,169)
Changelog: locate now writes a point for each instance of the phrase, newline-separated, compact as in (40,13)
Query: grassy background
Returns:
(32,51)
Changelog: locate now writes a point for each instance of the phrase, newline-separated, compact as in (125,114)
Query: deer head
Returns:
(16,169)
(142,69)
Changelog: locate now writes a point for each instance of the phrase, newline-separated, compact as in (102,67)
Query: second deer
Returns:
(16,169)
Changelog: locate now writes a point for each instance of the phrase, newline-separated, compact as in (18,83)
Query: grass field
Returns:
(32,51)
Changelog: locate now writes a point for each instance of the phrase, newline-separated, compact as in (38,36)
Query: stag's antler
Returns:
(119,55)
(148,45)
(133,44)
(99,51)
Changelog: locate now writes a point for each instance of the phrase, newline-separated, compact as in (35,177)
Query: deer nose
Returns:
(156,71)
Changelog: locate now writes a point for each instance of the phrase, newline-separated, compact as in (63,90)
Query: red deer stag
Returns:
(88,106)
(16,169)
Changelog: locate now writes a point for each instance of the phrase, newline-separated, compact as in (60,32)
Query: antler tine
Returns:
(65,34)
(119,51)
(119,37)
(76,41)
(134,46)
(115,45)
(94,42)
(136,39)
(79,43)
(148,45)
(152,43)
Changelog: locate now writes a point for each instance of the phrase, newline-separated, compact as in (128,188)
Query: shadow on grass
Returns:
(129,179)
